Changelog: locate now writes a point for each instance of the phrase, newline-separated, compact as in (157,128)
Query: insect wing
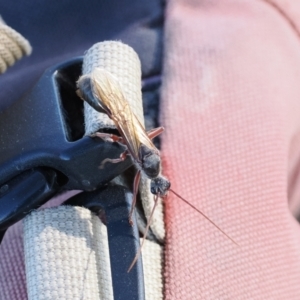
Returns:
(109,93)
(85,92)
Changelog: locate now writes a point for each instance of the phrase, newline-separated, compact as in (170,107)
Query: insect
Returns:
(101,90)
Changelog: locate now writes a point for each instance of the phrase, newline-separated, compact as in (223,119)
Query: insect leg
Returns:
(135,191)
(114,160)
(155,132)
(145,234)
(107,137)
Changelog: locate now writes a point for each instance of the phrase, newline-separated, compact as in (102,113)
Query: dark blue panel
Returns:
(59,30)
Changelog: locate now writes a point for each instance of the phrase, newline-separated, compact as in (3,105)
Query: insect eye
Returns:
(154,190)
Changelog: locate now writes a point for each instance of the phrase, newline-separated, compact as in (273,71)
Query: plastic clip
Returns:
(45,131)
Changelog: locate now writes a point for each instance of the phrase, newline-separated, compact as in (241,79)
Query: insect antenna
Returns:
(200,212)
(145,234)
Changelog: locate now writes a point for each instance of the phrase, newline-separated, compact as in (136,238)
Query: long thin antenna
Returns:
(200,212)
(145,234)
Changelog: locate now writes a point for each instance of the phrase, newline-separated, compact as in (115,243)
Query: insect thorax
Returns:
(150,161)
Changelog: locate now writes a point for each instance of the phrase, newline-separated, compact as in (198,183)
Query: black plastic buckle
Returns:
(44,133)
(43,150)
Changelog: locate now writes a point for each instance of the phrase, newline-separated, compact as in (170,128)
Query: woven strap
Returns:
(230,77)
(64,249)
(122,61)
(66,255)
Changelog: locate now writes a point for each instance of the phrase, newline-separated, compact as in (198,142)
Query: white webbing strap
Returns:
(64,250)
(123,62)
(67,257)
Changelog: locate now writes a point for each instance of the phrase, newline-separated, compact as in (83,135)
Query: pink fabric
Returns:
(231,108)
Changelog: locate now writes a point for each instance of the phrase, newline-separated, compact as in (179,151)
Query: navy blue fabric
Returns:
(59,30)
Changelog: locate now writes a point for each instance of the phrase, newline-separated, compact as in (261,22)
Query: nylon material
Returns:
(60,254)
(153,277)
(13,266)
(232,161)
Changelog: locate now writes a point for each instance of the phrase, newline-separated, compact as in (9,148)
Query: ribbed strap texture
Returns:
(122,61)
(64,254)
